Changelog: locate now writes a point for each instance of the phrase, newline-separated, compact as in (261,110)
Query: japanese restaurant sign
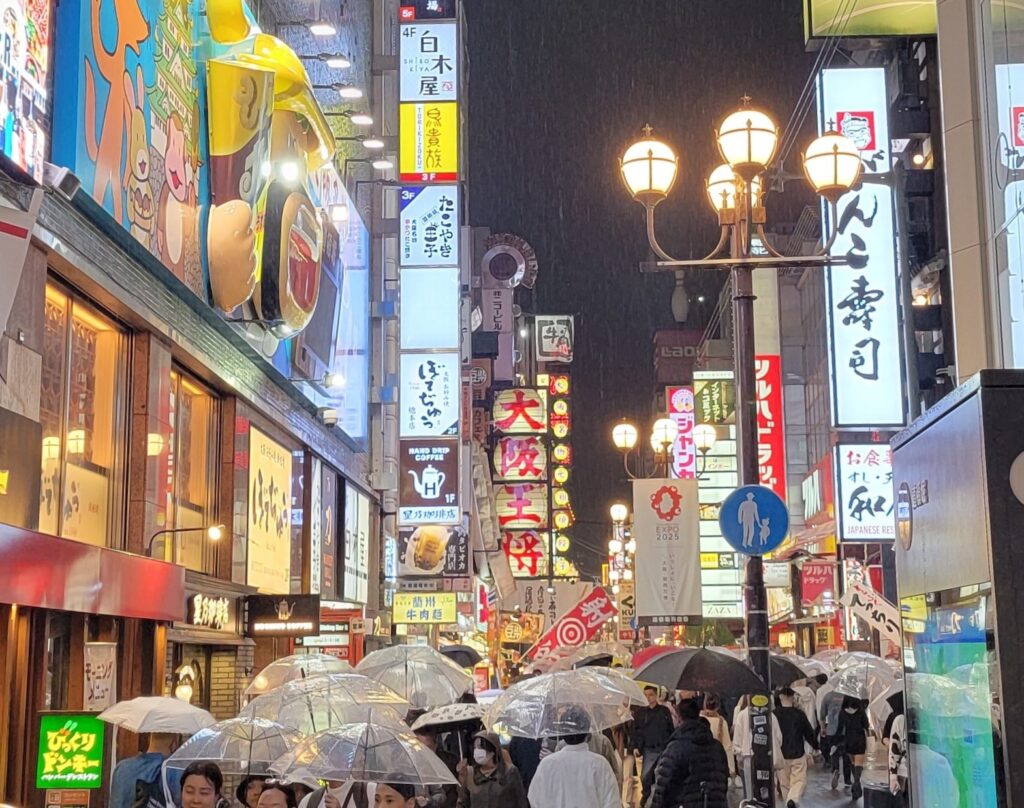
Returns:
(864,492)
(520,459)
(865,346)
(771,443)
(680,403)
(429,394)
(429,482)
(70,753)
(282,615)
(425,608)
(269,553)
(433,550)
(527,552)
(521,506)
(520,411)
(575,627)
(428,146)
(554,337)
(429,226)
(429,62)
(864,602)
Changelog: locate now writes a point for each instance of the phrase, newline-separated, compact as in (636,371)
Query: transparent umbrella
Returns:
(296,666)
(615,680)
(312,705)
(864,679)
(594,654)
(555,704)
(418,673)
(365,752)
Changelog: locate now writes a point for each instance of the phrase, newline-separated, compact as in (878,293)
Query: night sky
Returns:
(557,91)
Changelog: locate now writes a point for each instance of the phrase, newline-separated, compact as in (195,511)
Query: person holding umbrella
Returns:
(574,777)
(394,795)
(439,796)
(201,784)
(248,791)
(853,735)
(136,780)
(490,782)
(693,771)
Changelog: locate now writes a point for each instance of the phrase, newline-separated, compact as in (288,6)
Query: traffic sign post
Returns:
(754,520)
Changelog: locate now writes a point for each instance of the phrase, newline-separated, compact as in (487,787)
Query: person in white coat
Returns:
(743,745)
(574,777)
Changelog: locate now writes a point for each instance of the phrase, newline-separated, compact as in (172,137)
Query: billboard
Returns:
(865,339)
(680,403)
(771,443)
(428,485)
(428,143)
(424,608)
(429,394)
(554,338)
(869,18)
(428,62)
(355,578)
(428,226)
(24,78)
(864,492)
(268,558)
(429,311)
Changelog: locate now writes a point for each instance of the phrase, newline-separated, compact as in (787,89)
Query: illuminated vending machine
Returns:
(958,478)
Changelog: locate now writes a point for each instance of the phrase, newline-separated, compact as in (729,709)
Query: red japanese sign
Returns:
(527,552)
(521,507)
(520,411)
(771,443)
(521,459)
(680,404)
(816,578)
(575,627)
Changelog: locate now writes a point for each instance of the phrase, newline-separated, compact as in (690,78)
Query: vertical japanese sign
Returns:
(680,403)
(554,338)
(100,676)
(866,350)
(429,226)
(864,492)
(771,443)
(268,560)
(428,488)
(429,62)
(666,527)
(70,752)
(816,578)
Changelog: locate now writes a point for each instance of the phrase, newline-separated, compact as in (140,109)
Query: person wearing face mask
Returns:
(853,734)
(490,782)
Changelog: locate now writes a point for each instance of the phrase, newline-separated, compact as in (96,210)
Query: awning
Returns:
(489,557)
(806,540)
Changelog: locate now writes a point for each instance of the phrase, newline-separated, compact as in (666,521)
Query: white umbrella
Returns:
(418,673)
(311,705)
(157,714)
(297,666)
(365,752)
(449,714)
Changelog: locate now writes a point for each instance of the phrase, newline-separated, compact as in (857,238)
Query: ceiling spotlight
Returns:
(361,119)
(339,213)
(321,28)
(349,92)
(337,61)
(918,159)
(382,165)
(373,143)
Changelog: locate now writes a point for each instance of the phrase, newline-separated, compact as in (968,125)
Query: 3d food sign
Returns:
(70,753)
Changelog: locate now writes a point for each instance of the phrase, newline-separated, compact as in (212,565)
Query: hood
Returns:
(697,731)
(492,739)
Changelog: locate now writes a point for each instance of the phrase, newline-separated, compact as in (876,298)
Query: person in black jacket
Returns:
(795,730)
(652,727)
(693,771)
(853,733)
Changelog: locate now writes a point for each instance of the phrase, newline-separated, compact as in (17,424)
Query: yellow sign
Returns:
(424,607)
(428,146)
(270,526)
(709,561)
(823,18)
(759,700)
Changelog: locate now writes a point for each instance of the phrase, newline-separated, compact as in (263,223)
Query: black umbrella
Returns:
(595,660)
(700,669)
(785,671)
(461,655)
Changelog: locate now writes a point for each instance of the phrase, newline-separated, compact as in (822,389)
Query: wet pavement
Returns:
(819,792)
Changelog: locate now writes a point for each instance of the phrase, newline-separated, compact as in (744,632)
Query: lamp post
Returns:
(664,431)
(213,533)
(747,140)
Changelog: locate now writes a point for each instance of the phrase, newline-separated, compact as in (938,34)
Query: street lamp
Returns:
(618,512)
(625,437)
(704,439)
(748,140)
(214,533)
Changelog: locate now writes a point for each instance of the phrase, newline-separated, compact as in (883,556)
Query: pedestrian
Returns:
(525,755)
(394,795)
(136,781)
(248,791)
(853,731)
(693,771)
(337,794)
(490,782)
(652,727)
(439,796)
(806,701)
(830,707)
(201,784)
(712,713)
(275,795)
(796,731)
(574,777)
(743,744)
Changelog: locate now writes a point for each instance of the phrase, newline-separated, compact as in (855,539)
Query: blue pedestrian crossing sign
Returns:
(754,520)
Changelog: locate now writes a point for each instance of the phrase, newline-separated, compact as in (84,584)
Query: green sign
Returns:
(824,18)
(70,751)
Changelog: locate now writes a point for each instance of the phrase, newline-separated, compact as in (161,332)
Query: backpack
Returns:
(149,795)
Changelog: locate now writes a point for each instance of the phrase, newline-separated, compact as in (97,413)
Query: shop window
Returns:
(192,473)
(58,660)
(82,412)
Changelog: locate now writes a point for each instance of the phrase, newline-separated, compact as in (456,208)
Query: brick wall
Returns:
(224,681)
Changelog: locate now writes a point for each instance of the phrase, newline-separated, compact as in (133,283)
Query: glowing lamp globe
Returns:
(663,434)
(624,436)
(832,165)
(747,140)
(704,438)
(721,187)
(649,169)
(619,512)
(614,546)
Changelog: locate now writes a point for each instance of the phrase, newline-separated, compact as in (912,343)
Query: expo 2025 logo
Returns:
(667,503)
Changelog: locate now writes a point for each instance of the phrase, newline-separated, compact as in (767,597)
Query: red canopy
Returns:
(649,653)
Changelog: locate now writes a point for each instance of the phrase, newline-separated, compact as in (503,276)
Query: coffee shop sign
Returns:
(209,612)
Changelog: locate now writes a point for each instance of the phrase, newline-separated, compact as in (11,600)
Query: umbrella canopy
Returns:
(591,654)
(784,669)
(650,652)
(555,704)
(418,673)
(157,714)
(864,679)
(812,667)
(239,746)
(311,705)
(829,656)
(944,697)
(850,658)
(296,666)
(488,696)
(615,680)
(884,705)
(450,714)
(462,655)
(365,752)
(700,669)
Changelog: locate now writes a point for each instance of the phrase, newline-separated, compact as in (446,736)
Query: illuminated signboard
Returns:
(863,313)
(521,459)
(771,444)
(268,560)
(428,64)
(864,493)
(527,552)
(24,72)
(428,146)
(424,607)
(428,486)
(70,751)
(520,411)
(681,410)
(869,18)
(282,615)
(554,338)
(356,563)
(521,507)
(429,395)
(428,227)
(1009,81)
(429,315)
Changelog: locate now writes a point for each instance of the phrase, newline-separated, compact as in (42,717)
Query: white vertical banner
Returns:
(865,339)
(666,527)
(100,676)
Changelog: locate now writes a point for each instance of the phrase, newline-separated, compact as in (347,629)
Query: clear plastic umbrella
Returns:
(616,680)
(594,654)
(812,667)
(418,673)
(555,704)
(864,679)
(312,705)
(296,666)
(157,714)
(829,656)
(365,752)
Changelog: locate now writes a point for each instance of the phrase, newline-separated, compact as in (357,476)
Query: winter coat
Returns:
(853,732)
(525,754)
(796,730)
(502,788)
(692,757)
(574,777)
(652,727)
(720,729)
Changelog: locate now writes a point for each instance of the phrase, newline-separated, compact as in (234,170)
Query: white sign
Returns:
(429,314)
(867,604)
(429,395)
(357,625)
(357,546)
(554,338)
(666,527)
(865,339)
(428,67)
(429,226)
(100,676)
(496,307)
(777,575)
(864,492)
